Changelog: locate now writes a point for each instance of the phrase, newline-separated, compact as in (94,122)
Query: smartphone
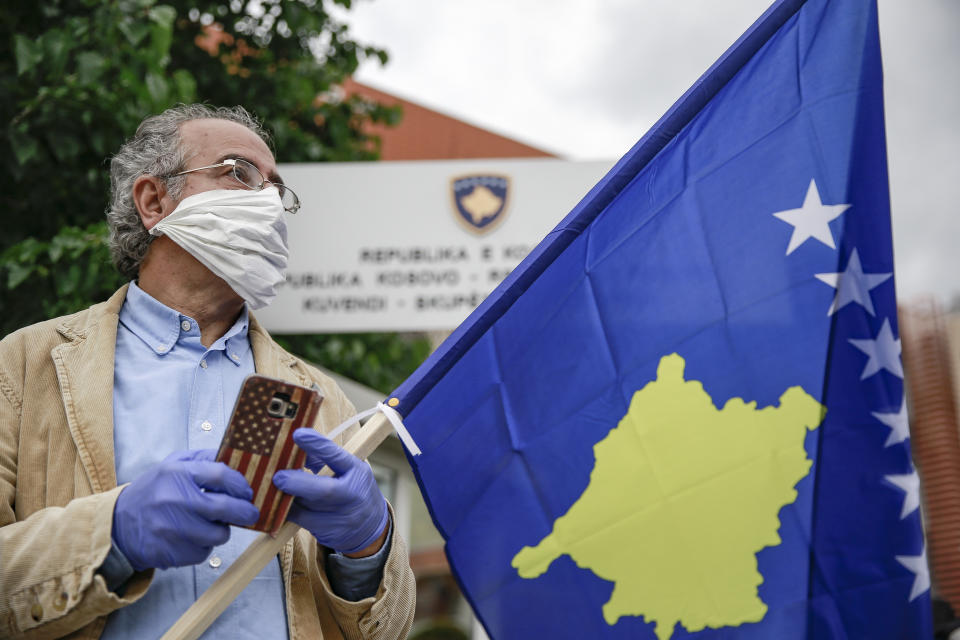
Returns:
(259,440)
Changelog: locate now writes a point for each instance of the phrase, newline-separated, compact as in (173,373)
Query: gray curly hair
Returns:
(155,149)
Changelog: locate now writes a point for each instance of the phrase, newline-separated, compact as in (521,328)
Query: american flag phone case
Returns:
(259,440)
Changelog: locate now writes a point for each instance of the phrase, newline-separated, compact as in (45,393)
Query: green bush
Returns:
(78,76)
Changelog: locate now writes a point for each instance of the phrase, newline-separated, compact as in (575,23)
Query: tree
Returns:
(77,77)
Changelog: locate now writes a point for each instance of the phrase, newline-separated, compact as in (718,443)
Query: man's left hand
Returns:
(345,512)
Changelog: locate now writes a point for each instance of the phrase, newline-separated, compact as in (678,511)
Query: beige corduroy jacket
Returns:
(58,488)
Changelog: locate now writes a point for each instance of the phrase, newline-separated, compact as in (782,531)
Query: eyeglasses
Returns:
(249,176)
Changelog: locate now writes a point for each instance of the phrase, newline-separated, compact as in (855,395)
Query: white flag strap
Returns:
(343,427)
(392,415)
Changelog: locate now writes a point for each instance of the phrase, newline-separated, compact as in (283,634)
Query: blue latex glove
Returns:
(176,512)
(345,512)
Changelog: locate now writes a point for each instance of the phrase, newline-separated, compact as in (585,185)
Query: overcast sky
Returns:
(587,78)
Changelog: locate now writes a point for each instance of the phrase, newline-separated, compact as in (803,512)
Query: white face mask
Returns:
(239,235)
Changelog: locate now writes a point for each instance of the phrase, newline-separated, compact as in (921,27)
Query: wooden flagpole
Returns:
(221,593)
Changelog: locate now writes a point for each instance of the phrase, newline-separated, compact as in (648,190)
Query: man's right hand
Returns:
(176,512)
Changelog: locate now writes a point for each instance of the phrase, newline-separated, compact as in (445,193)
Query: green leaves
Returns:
(79,76)
(163,16)
(27,52)
(55,277)
(24,147)
(157,86)
(184,85)
(20,261)
(91,66)
(161,33)
(379,360)
(134,30)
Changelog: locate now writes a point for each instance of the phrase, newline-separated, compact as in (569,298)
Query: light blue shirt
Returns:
(171,393)
(159,364)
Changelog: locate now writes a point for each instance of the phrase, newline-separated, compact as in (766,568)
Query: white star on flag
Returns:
(898,423)
(909,483)
(812,220)
(852,285)
(884,352)
(918,565)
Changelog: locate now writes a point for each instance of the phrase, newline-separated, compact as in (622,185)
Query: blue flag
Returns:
(683,415)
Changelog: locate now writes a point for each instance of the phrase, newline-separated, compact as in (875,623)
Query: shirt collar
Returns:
(160,327)
(235,341)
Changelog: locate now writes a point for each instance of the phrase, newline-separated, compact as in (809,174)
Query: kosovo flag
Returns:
(683,415)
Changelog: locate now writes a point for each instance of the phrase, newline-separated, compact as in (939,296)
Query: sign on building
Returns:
(414,246)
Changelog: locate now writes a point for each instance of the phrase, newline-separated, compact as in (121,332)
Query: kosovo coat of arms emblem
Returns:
(480,201)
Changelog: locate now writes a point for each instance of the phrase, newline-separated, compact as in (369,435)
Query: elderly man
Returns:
(113,515)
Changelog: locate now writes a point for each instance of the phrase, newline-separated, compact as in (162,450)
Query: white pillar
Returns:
(477,633)
(402,506)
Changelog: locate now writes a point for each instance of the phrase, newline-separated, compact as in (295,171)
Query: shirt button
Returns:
(203,363)
(185,325)
(215,562)
(161,347)
(206,426)
(234,356)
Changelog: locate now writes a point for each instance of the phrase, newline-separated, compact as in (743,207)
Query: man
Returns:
(136,392)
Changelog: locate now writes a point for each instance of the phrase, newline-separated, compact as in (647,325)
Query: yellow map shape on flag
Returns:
(680,500)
